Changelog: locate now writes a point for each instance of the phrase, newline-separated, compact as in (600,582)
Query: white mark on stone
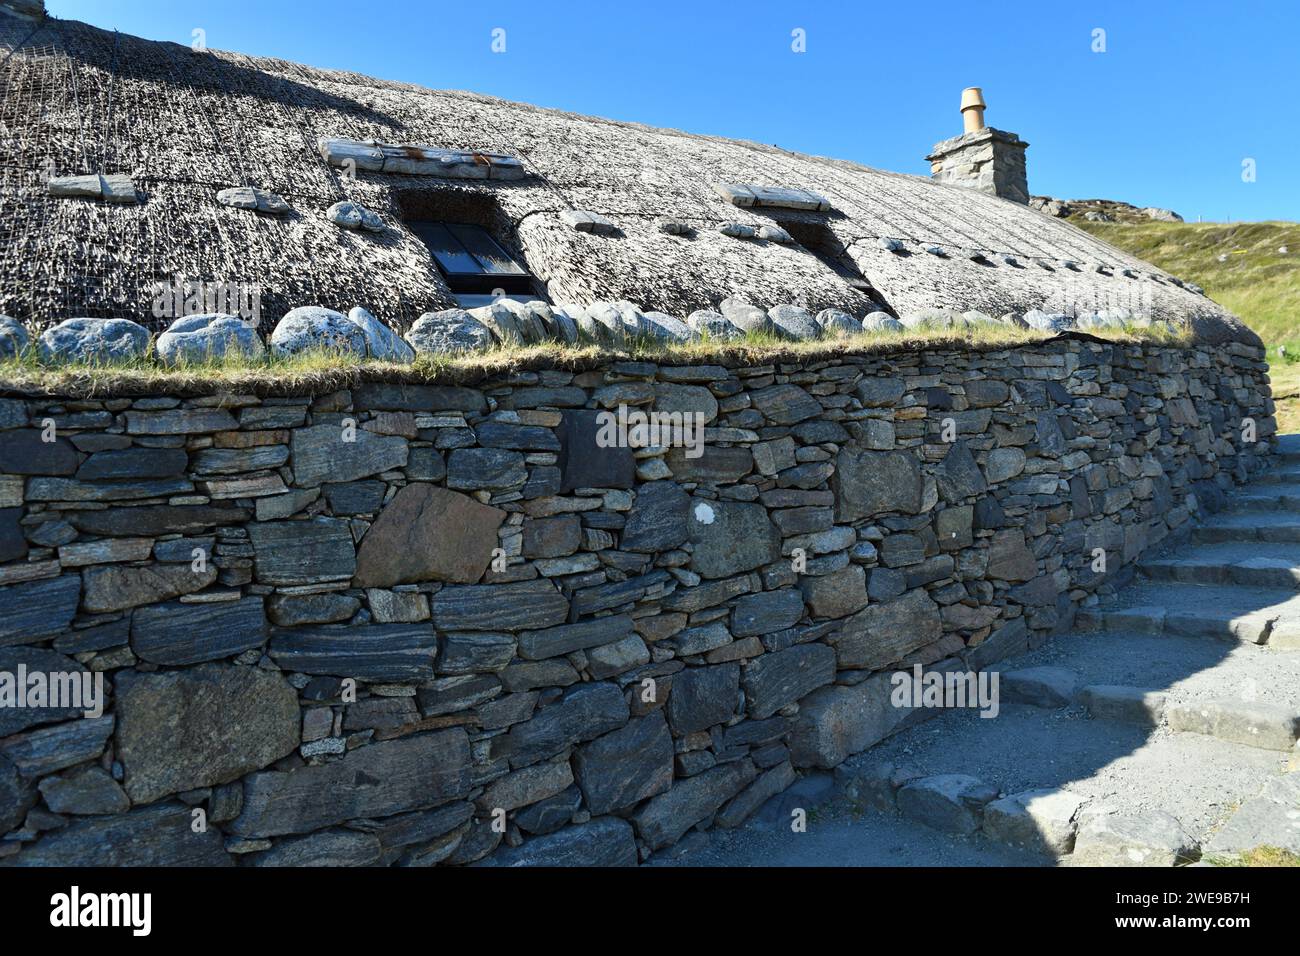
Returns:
(704,514)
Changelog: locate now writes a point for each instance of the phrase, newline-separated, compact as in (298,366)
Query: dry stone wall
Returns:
(416,625)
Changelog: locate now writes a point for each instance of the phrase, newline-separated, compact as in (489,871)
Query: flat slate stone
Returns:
(766,612)
(320,454)
(838,721)
(526,786)
(1009,558)
(731,537)
(234,461)
(24,453)
(1269,819)
(868,483)
(952,803)
(47,750)
(39,609)
(180,421)
(1109,837)
(658,519)
(491,469)
(69,489)
(179,634)
(769,784)
(583,463)
(1041,821)
(303,552)
(702,697)
(624,767)
(475,653)
(600,843)
(785,404)
(427,533)
(516,437)
(153,520)
(958,476)
(555,641)
(376,780)
(449,695)
(418,398)
(328,848)
(583,713)
(127,463)
(525,605)
(159,835)
(885,633)
(183,730)
(718,466)
(13,543)
(376,652)
(114,588)
(355,497)
(292,610)
(774,680)
(549,815)
(664,819)
(87,791)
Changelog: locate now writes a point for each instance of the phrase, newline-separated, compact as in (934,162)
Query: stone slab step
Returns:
(1143,706)
(1047,687)
(1246,614)
(1249,723)
(1287,472)
(1269,526)
(1286,448)
(1270,819)
(1108,836)
(1283,496)
(1256,564)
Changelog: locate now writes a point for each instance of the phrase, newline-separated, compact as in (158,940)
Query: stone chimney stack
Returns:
(982,158)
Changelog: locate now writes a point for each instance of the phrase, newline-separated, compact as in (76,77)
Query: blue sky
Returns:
(1184,93)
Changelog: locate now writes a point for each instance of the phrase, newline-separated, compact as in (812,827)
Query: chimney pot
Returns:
(972,108)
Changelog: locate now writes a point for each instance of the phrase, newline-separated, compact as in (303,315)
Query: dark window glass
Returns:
(491,257)
(472,261)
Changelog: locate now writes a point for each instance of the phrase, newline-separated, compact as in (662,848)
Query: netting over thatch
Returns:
(186,124)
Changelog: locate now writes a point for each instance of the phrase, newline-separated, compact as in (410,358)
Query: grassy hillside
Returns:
(1255,281)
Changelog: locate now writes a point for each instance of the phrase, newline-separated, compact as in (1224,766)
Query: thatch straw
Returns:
(75,99)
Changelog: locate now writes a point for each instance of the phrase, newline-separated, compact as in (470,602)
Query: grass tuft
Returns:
(326,371)
(1258,857)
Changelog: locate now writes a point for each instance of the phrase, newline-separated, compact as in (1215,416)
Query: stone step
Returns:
(1270,526)
(1265,725)
(1283,496)
(1048,687)
(1286,447)
(1257,564)
(1287,472)
(1249,723)
(1248,614)
(1270,819)
(1109,836)
(1131,705)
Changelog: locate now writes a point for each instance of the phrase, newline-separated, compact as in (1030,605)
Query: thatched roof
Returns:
(185,125)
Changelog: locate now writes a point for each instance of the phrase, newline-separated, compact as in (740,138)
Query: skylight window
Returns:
(475,265)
